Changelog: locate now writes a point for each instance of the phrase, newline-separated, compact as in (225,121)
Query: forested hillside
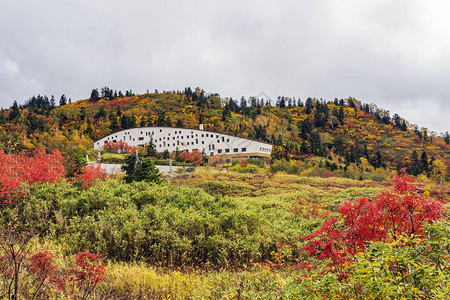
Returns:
(344,132)
(248,231)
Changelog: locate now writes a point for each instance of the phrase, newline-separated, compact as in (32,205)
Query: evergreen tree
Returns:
(62,100)
(151,148)
(424,163)
(78,163)
(309,105)
(414,168)
(140,168)
(166,154)
(95,96)
(447,138)
(15,111)
(114,124)
(52,102)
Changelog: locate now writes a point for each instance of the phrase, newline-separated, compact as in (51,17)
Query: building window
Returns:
(141,138)
(203,135)
(141,132)
(203,142)
(188,143)
(235,150)
(219,150)
(227,150)
(196,141)
(217,136)
(160,130)
(211,153)
(223,139)
(218,141)
(228,140)
(244,150)
(207,135)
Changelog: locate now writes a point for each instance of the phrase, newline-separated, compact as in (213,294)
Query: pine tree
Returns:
(447,138)
(95,96)
(15,111)
(140,168)
(62,100)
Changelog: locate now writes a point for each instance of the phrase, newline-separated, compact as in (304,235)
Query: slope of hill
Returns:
(344,132)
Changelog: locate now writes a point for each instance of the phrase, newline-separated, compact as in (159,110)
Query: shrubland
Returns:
(216,234)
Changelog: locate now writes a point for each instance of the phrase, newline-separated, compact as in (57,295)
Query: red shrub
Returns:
(88,175)
(196,158)
(16,170)
(387,216)
(87,272)
(119,147)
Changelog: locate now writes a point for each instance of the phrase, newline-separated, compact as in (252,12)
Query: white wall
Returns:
(186,139)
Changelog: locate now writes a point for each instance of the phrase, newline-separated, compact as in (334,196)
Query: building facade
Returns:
(219,147)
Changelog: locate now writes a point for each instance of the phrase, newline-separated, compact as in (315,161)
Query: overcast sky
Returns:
(395,54)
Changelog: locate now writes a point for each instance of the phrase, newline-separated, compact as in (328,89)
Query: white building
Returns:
(217,146)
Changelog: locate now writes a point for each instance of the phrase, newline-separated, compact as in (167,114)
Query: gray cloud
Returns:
(394,54)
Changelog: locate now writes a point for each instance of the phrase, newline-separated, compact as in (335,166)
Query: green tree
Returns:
(15,111)
(140,168)
(63,100)
(447,138)
(78,162)
(151,148)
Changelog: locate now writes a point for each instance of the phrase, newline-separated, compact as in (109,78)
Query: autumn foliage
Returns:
(195,158)
(387,217)
(37,166)
(119,147)
(88,175)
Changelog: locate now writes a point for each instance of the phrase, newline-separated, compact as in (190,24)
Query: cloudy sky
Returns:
(392,53)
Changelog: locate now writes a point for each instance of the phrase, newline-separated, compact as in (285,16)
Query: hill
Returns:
(343,136)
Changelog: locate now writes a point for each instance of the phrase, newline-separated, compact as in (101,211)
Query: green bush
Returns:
(159,224)
(113,158)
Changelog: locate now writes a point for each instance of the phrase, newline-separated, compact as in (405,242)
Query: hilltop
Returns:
(341,136)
